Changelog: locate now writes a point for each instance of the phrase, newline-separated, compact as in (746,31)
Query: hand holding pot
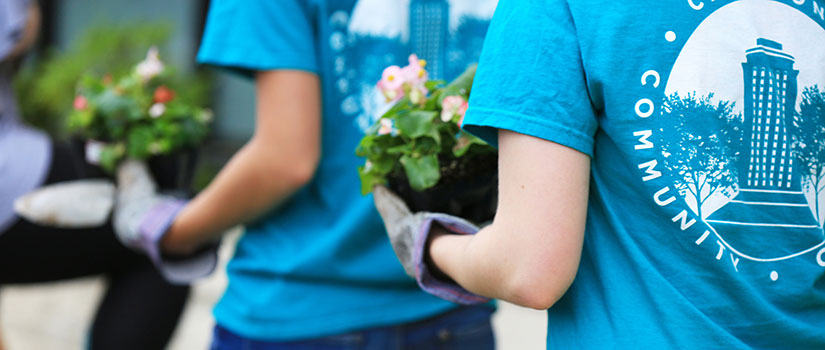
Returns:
(142,217)
(409,234)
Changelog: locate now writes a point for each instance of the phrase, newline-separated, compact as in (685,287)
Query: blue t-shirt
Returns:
(321,263)
(705,123)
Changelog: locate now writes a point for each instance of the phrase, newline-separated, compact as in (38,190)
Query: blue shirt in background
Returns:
(705,121)
(321,264)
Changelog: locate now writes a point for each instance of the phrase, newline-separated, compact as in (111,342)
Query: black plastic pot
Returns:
(172,172)
(468,190)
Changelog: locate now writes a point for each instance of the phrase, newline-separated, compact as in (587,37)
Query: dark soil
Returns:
(468,188)
(173,172)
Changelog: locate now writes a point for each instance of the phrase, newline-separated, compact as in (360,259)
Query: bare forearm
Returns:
(280,158)
(530,254)
(249,185)
(493,265)
(458,257)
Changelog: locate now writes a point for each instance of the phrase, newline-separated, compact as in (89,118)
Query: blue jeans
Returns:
(466,327)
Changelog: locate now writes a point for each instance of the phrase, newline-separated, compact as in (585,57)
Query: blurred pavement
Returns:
(55,316)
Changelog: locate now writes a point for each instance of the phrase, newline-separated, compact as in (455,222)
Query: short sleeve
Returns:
(253,35)
(530,77)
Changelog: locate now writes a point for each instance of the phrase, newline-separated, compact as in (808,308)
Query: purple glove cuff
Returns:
(155,224)
(447,290)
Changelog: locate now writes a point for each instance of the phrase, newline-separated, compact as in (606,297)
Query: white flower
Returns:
(157,110)
(205,116)
(418,94)
(154,147)
(386,127)
(93,150)
(151,66)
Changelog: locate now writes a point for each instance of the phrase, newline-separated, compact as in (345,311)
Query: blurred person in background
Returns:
(314,268)
(140,309)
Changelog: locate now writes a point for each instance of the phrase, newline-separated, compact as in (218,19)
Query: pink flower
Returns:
(453,106)
(396,82)
(414,73)
(462,111)
(80,103)
(386,127)
(392,82)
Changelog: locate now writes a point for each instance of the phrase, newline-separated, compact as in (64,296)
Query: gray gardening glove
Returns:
(142,217)
(409,233)
(73,204)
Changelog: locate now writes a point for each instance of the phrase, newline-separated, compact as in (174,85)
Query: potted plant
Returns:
(418,149)
(139,116)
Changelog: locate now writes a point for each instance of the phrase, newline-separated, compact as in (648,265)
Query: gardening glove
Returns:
(73,204)
(142,217)
(409,233)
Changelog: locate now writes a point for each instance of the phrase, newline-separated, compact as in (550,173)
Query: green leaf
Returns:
(141,143)
(400,149)
(434,84)
(425,145)
(364,146)
(385,164)
(461,85)
(418,123)
(80,120)
(369,179)
(111,155)
(415,123)
(434,101)
(402,104)
(465,142)
(422,172)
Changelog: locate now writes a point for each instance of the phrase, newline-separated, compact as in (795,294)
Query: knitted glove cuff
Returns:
(447,290)
(154,226)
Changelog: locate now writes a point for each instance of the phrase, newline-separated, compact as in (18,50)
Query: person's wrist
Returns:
(157,226)
(171,243)
(437,233)
(439,256)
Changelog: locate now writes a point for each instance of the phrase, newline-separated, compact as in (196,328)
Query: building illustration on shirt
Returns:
(429,31)
(738,141)
(370,35)
(770,200)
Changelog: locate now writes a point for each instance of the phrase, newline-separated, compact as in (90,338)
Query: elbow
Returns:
(534,295)
(539,288)
(300,172)
(290,168)
(292,175)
